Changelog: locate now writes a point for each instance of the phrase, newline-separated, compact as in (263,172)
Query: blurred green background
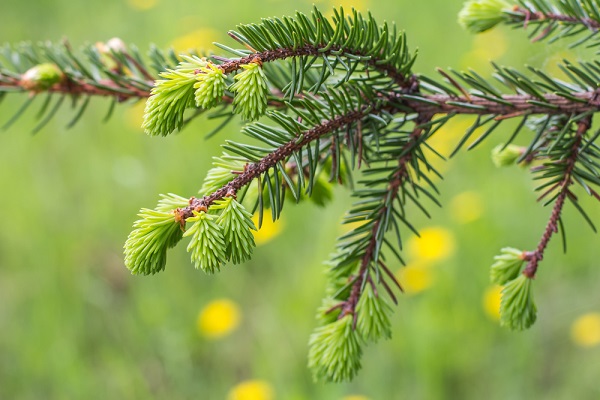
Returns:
(75,324)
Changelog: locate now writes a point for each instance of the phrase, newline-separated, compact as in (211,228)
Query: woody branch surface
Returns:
(252,171)
(537,255)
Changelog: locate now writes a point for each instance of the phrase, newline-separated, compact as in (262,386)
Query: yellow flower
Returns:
(218,318)
(415,278)
(491,302)
(251,390)
(435,244)
(269,229)
(466,207)
(585,331)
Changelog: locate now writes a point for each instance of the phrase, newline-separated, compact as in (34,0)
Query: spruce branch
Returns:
(379,222)
(330,96)
(563,191)
(562,19)
(254,170)
(551,19)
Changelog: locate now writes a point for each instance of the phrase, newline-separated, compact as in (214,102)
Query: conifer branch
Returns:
(526,15)
(329,96)
(254,170)
(229,66)
(101,88)
(370,258)
(509,106)
(533,258)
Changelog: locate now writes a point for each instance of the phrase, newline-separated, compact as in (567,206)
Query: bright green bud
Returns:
(170,202)
(250,90)
(209,87)
(207,244)
(237,225)
(223,171)
(517,308)
(373,321)
(505,156)
(146,247)
(329,311)
(41,77)
(507,265)
(334,351)
(480,15)
(171,96)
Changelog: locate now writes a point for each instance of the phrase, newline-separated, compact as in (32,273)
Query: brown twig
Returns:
(529,16)
(396,181)
(229,66)
(534,257)
(254,170)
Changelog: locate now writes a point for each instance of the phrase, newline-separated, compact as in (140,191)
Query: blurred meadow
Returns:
(74,324)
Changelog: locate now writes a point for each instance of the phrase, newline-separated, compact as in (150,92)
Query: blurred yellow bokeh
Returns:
(134,115)
(269,229)
(415,278)
(252,390)
(218,318)
(466,207)
(355,397)
(361,5)
(445,139)
(142,4)
(435,244)
(487,46)
(585,331)
(198,40)
(491,302)
(553,61)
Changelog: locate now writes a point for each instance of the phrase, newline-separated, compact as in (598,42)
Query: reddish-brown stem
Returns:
(534,257)
(430,105)
(529,16)
(396,181)
(256,169)
(147,75)
(82,87)
(520,104)
(311,50)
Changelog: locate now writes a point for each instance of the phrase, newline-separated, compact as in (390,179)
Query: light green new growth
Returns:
(237,224)
(146,247)
(209,87)
(223,171)
(373,321)
(41,77)
(250,90)
(480,15)
(171,201)
(328,312)
(517,308)
(334,351)
(171,96)
(507,265)
(207,244)
(504,156)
